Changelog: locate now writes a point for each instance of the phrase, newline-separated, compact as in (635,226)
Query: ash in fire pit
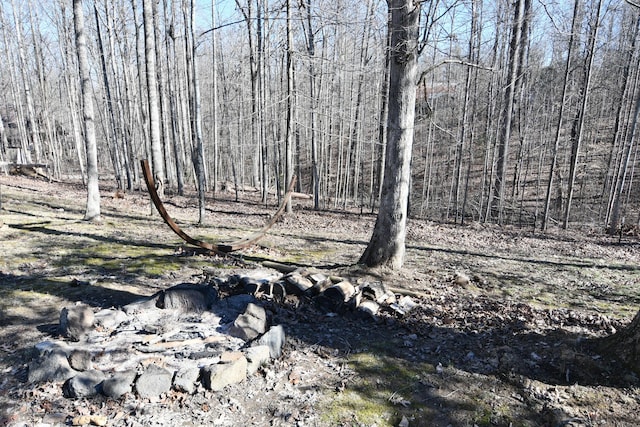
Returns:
(179,338)
(188,337)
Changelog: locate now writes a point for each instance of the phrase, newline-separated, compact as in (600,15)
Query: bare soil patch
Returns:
(514,346)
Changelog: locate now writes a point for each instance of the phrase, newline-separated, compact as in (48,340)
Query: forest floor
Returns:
(517,346)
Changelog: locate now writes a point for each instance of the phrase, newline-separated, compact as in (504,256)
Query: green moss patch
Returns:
(383,391)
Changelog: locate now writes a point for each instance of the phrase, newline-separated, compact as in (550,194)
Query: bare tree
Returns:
(387,244)
(152,95)
(93,191)
(508,107)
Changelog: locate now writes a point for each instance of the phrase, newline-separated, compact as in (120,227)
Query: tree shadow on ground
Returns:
(450,372)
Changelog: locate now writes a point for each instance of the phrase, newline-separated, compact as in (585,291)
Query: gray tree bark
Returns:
(152,95)
(93,191)
(387,244)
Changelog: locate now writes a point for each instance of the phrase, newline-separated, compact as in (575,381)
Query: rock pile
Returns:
(188,336)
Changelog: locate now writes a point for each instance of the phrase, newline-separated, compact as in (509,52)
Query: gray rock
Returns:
(188,297)
(153,382)
(85,384)
(110,318)
(250,324)
(257,356)
(185,380)
(52,366)
(76,321)
(217,377)
(229,308)
(119,384)
(141,305)
(274,338)
(80,360)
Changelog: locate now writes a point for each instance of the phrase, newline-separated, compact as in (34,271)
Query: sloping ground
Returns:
(514,346)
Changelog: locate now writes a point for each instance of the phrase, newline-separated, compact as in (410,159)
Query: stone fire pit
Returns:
(188,336)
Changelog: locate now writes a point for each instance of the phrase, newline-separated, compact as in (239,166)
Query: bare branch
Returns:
(633,3)
(451,61)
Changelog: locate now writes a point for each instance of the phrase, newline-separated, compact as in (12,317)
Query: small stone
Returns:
(217,377)
(274,338)
(250,324)
(53,366)
(461,279)
(119,384)
(80,360)
(185,380)
(406,304)
(404,422)
(76,321)
(110,318)
(153,382)
(85,384)
(98,420)
(257,356)
(81,420)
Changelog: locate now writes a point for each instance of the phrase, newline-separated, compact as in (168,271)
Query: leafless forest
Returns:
(526,111)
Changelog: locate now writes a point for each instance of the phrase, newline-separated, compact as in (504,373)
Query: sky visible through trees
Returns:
(336,92)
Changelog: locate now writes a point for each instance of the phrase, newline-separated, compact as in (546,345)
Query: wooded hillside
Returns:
(526,110)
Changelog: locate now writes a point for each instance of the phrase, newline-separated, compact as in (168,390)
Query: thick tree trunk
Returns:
(387,244)
(93,190)
(625,344)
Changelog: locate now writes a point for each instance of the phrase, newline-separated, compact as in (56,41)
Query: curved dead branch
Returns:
(221,247)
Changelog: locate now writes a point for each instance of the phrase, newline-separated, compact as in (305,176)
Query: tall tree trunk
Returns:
(93,191)
(214,103)
(614,222)
(195,108)
(32,120)
(578,131)
(563,102)
(507,112)
(173,109)
(152,95)
(387,244)
(288,154)
(118,168)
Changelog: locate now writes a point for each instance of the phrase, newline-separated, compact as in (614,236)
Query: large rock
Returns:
(110,318)
(85,384)
(256,357)
(153,382)
(250,324)
(52,366)
(76,321)
(188,297)
(274,338)
(185,380)
(119,384)
(229,308)
(217,377)
(80,360)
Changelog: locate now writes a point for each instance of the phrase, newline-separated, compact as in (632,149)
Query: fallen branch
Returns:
(217,248)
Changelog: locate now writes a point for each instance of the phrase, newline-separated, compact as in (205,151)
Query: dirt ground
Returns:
(517,346)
